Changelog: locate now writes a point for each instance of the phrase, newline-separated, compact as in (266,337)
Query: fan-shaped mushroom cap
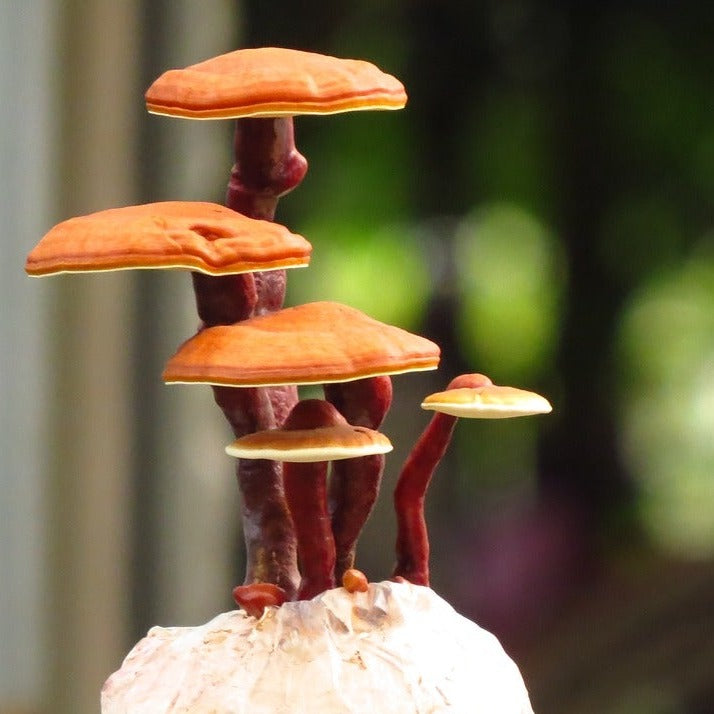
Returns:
(271,82)
(308,344)
(193,235)
(489,401)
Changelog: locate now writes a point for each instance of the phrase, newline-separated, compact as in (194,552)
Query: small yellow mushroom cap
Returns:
(489,401)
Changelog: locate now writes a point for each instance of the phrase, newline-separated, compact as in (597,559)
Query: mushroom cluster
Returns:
(308,471)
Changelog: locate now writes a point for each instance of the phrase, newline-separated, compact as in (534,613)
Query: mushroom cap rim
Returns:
(287,265)
(265,113)
(317,379)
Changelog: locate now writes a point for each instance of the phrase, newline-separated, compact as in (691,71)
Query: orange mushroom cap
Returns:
(489,401)
(309,344)
(272,82)
(206,237)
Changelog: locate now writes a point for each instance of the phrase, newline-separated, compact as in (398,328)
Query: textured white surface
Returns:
(397,648)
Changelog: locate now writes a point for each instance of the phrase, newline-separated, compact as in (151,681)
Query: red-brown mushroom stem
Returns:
(409,494)
(267,166)
(306,494)
(354,483)
(412,536)
(271,550)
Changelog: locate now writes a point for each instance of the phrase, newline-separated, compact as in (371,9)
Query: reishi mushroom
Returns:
(191,235)
(314,434)
(262,89)
(469,395)
(393,646)
(269,82)
(314,343)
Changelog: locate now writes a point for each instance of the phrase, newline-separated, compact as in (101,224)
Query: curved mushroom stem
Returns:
(409,494)
(267,166)
(412,536)
(354,483)
(306,494)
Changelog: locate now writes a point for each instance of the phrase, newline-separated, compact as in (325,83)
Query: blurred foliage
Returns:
(510,279)
(538,209)
(667,400)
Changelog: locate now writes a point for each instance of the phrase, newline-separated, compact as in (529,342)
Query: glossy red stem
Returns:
(271,548)
(354,483)
(412,538)
(267,165)
(306,492)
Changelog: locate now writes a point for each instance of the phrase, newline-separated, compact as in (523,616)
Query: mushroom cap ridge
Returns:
(272,82)
(191,235)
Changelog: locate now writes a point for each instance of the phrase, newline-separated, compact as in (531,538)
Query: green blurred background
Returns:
(543,209)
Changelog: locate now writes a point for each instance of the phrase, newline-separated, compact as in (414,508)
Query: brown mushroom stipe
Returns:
(308,344)
(473,395)
(271,548)
(273,82)
(313,434)
(354,484)
(263,88)
(191,235)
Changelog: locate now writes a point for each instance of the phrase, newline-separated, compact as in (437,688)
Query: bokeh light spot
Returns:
(667,383)
(510,280)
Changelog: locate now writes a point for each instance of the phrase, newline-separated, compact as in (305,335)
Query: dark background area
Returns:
(543,210)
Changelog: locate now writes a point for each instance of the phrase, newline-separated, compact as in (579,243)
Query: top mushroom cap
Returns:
(272,82)
(489,401)
(192,235)
(308,344)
